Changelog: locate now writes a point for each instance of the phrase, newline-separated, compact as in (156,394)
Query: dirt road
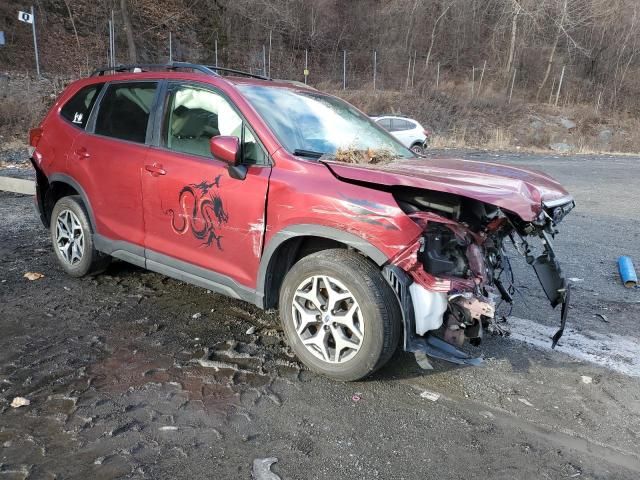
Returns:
(131,374)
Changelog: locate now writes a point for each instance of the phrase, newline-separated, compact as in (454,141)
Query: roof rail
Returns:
(237,72)
(399,115)
(152,66)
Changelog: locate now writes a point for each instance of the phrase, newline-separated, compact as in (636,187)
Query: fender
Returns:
(64,178)
(306,230)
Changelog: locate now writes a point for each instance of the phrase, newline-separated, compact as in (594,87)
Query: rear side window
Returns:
(78,108)
(124,111)
(398,125)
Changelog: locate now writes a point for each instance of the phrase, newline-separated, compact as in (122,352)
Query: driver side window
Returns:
(195,115)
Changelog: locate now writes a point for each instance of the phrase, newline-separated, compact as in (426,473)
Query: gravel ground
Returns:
(133,375)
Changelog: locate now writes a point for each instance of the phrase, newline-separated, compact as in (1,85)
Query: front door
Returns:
(195,214)
(108,161)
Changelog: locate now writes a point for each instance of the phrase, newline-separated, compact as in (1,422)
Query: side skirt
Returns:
(178,269)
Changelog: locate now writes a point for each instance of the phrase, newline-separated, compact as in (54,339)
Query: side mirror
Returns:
(226,149)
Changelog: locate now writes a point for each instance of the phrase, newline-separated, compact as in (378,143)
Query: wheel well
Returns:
(285,256)
(53,192)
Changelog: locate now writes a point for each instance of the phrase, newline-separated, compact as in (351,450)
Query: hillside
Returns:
(494,73)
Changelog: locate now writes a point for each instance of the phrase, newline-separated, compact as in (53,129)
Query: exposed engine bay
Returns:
(456,268)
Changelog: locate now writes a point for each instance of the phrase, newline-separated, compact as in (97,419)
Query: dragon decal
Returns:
(201,211)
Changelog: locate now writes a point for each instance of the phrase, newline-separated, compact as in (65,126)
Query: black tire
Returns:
(417,148)
(378,305)
(91,261)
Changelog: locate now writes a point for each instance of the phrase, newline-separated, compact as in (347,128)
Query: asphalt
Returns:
(133,375)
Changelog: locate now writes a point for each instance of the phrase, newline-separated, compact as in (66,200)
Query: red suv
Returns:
(279,195)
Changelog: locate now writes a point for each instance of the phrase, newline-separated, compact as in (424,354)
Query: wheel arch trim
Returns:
(312,230)
(64,178)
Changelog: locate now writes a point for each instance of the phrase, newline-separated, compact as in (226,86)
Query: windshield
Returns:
(311,124)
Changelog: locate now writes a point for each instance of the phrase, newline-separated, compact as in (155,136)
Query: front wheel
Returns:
(339,314)
(417,148)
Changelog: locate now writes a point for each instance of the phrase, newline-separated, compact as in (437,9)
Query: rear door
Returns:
(400,129)
(108,157)
(198,218)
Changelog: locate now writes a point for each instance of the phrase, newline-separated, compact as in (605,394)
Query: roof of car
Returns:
(390,115)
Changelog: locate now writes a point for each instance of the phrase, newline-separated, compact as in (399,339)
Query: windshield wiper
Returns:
(307,153)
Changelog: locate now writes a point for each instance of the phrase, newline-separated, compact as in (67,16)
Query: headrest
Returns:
(187,123)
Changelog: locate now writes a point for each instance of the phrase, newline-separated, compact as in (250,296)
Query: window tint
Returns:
(78,108)
(398,125)
(196,115)
(124,111)
(385,123)
(252,151)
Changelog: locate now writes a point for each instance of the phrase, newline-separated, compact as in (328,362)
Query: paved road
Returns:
(136,375)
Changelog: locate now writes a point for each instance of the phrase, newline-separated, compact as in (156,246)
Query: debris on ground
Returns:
(526,402)
(433,396)
(356,397)
(251,330)
(368,156)
(576,280)
(20,402)
(586,379)
(603,317)
(168,428)
(33,276)
(262,469)
(196,316)
(627,272)
(423,361)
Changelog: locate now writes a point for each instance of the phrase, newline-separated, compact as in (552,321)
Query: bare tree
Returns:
(433,32)
(128,30)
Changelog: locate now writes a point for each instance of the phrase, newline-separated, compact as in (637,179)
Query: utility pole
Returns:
(31,18)
(269,64)
(482,77)
(413,69)
(110,45)
(35,39)
(264,60)
(406,86)
(113,39)
(375,67)
(513,81)
(344,69)
(216,48)
(473,81)
(559,86)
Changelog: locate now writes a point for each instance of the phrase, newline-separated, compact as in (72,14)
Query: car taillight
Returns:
(34,137)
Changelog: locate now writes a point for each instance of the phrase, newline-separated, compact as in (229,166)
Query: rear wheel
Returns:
(72,239)
(339,314)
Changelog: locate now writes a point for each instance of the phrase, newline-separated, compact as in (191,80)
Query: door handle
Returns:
(82,153)
(155,169)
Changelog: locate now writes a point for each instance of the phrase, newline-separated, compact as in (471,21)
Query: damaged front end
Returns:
(449,280)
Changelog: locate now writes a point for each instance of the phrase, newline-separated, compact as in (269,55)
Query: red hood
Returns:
(514,189)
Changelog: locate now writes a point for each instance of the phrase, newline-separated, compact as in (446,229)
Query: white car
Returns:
(408,131)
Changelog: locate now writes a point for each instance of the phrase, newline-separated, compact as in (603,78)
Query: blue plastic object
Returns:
(627,272)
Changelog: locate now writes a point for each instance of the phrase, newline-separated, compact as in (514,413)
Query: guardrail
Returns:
(17,185)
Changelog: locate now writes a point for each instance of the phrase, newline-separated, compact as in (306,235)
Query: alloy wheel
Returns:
(328,319)
(69,237)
